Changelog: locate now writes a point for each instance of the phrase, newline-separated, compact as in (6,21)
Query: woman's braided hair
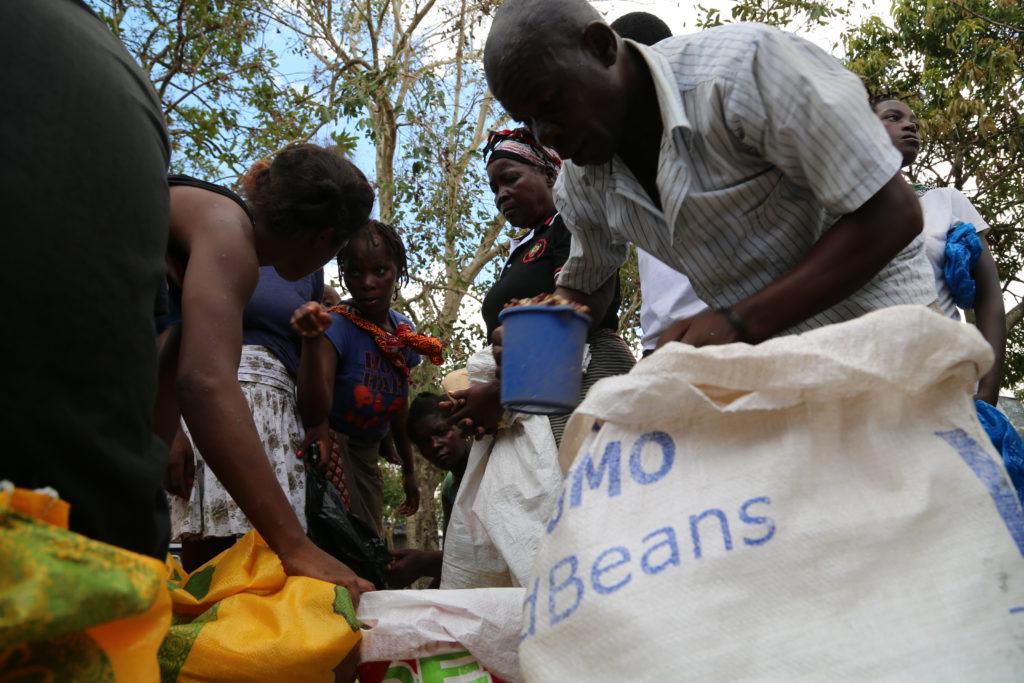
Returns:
(376,233)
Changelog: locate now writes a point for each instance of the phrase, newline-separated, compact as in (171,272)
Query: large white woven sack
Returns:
(510,486)
(823,506)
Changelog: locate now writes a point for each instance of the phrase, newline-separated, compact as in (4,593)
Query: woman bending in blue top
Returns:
(299,209)
(354,372)
(206,519)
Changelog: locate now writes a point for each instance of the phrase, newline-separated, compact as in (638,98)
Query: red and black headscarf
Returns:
(520,145)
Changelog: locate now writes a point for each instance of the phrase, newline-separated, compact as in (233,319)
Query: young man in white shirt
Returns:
(666,295)
(943,208)
(743,156)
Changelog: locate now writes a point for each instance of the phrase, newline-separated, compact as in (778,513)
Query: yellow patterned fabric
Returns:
(71,608)
(240,618)
(75,609)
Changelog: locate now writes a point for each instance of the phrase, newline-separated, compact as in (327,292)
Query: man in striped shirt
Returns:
(742,156)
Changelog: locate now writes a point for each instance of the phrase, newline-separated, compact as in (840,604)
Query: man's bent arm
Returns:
(846,258)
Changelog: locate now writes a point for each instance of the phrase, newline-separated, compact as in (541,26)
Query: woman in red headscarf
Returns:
(522,173)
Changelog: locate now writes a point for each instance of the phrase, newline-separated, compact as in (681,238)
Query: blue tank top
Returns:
(266,317)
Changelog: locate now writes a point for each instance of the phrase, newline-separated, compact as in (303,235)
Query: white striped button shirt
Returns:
(767,141)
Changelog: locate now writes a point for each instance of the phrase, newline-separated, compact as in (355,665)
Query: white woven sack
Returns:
(511,483)
(410,624)
(823,506)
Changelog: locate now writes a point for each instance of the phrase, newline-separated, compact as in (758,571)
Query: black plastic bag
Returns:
(339,533)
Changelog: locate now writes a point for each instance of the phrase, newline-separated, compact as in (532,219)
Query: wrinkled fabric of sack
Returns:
(821,506)
(71,608)
(434,635)
(240,618)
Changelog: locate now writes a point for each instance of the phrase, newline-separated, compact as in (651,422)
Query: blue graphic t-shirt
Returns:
(368,389)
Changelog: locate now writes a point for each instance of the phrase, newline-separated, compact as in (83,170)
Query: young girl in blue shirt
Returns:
(354,372)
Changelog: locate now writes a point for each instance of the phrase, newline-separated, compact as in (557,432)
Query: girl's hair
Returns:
(308,188)
(378,233)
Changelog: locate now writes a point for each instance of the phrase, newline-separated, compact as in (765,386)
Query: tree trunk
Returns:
(421,529)
(385,136)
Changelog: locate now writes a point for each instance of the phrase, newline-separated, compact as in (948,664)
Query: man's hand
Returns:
(412,495)
(321,436)
(310,319)
(476,410)
(309,560)
(704,329)
(181,466)
(409,564)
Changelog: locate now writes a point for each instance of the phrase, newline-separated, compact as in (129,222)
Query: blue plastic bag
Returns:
(1007,441)
(963,249)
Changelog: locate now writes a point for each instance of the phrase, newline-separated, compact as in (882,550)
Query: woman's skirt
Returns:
(270,393)
(353,467)
(609,356)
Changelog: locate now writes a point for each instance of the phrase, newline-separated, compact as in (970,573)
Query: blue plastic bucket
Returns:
(542,358)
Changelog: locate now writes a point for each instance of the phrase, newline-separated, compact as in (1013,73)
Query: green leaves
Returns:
(212,65)
(791,14)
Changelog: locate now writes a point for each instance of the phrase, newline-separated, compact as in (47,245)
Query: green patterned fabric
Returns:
(54,582)
(198,585)
(72,658)
(72,608)
(179,641)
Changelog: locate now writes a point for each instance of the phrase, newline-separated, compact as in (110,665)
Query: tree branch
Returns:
(485,251)
(1014,316)
(987,20)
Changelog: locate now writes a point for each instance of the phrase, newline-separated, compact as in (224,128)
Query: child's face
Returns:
(369,274)
(901,125)
(438,442)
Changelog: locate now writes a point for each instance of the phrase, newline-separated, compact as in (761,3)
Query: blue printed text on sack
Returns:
(557,593)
